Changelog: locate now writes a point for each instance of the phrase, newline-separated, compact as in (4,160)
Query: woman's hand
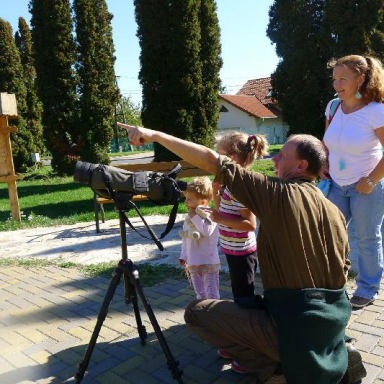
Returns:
(138,135)
(363,187)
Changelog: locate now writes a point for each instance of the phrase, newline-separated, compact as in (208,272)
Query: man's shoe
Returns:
(355,371)
(360,302)
(238,368)
(224,354)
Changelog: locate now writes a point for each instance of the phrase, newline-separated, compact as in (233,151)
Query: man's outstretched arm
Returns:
(196,154)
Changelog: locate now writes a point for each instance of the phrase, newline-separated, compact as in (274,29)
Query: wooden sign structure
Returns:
(8,110)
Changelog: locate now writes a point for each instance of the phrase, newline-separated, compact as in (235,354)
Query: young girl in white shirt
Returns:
(199,253)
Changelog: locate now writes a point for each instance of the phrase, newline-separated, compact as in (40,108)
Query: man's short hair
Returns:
(311,149)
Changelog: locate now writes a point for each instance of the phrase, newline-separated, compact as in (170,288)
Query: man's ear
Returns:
(303,165)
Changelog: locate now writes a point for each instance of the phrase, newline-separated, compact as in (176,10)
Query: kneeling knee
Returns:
(189,313)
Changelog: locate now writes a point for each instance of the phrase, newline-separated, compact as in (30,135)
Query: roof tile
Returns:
(249,104)
(259,88)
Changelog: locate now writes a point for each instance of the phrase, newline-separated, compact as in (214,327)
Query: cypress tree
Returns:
(171,72)
(300,79)
(354,27)
(55,54)
(95,67)
(11,81)
(307,34)
(33,114)
(210,53)
(378,39)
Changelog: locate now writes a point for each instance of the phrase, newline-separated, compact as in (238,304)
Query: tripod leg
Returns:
(171,362)
(131,297)
(82,366)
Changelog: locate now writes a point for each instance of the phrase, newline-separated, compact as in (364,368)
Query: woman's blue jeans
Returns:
(367,212)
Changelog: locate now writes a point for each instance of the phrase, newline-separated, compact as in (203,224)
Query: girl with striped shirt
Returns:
(236,223)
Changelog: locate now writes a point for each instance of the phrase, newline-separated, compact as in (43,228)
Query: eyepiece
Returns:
(83,173)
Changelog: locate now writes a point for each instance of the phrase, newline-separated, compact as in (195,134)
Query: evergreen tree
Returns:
(300,79)
(98,92)
(210,54)
(171,72)
(353,27)
(378,40)
(307,34)
(55,54)
(33,114)
(11,81)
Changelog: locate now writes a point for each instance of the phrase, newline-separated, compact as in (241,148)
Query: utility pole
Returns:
(115,129)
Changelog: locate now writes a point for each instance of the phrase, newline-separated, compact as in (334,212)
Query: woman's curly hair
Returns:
(373,87)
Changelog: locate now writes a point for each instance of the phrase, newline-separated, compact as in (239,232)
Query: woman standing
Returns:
(355,138)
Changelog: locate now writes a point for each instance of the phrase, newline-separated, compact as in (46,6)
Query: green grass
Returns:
(274,148)
(150,275)
(46,200)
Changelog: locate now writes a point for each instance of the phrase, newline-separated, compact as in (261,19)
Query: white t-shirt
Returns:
(354,148)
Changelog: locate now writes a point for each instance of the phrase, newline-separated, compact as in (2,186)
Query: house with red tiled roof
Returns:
(253,110)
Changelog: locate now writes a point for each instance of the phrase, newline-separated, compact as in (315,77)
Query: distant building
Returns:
(253,110)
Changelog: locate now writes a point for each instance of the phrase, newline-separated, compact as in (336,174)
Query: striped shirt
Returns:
(234,241)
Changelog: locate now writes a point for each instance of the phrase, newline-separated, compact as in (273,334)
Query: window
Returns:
(223,109)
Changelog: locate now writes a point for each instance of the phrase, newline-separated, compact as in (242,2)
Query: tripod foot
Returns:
(175,371)
(142,333)
(80,373)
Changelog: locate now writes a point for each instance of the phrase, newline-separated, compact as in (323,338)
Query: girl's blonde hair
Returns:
(373,87)
(202,187)
(246,147)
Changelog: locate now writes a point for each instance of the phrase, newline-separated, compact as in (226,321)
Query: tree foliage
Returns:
(210,56)
(55,55)
(97,88)
(177,89)
(353,26)
(307,34)
(33,114)
(11,81)
(130,114)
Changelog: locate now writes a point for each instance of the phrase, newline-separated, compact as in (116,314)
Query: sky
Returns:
(246,50)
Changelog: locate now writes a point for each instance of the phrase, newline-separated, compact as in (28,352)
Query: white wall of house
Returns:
(237,120)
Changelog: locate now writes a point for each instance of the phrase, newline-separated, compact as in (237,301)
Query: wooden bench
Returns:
(188,170)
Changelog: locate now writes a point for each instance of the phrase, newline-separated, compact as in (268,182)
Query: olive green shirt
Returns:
(302,240)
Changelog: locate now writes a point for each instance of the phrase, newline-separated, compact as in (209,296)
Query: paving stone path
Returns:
(47,316)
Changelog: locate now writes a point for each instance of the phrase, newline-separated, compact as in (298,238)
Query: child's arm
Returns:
(183,254)
(247,221)
(205,226)
(216,193)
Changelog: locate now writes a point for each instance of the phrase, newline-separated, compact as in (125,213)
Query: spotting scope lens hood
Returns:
(83,173)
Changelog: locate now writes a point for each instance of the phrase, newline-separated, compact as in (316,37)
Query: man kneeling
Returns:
(296,332)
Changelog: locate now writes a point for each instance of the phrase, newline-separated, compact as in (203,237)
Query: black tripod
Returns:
(132,289)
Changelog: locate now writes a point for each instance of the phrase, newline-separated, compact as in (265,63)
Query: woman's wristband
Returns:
(370,182)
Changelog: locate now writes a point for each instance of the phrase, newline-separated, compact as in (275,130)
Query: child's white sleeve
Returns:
(204,226)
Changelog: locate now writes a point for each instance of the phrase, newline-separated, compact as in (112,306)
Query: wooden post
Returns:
(8,109)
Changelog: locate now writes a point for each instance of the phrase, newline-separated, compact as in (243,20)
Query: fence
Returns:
(124,146)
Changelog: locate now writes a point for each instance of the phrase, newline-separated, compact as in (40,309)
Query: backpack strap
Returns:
(335,104)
